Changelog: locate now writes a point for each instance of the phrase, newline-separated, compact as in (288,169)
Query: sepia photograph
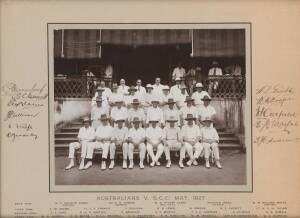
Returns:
(150,106)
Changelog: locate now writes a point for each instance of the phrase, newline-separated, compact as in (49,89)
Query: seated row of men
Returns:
(154,140)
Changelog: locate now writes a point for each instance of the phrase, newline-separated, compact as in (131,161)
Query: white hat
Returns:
(199,85)
(166,88)
(155,99)
(118,99)
(149,86)
(177,79)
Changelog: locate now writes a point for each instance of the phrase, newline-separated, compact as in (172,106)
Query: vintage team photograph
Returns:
(150,106)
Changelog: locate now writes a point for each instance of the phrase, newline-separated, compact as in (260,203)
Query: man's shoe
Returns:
(130,165)
(195,163)
(111,165)
(88,165)
(157,163)
(189,163)
(103,165)
(181,164)
(142,166)
(124,164)
(168,164)
(71,165)
(207,165)
(81,166)
(152,164)
(218,165)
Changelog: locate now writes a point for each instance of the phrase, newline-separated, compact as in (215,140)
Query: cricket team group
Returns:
(152,120)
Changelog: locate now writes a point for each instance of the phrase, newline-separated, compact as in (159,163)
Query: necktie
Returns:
(215,71)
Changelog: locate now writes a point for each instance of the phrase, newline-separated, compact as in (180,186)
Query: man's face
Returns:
(139,82)
(177,82)
(206,124)
(182,91)
(131,92)
(120,124)
(102,84)
(171,106)
(155,104)
(166,92)
(99,103)
(153,124)
(104,122)
(136,125)
(119,104)
(172,124)
(157,81)
(135,106)
(122,82)
(86,124)
(199,89)
(206,103)
(189,103)
(190,122)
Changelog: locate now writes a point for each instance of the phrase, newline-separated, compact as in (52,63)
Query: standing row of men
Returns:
(160,119)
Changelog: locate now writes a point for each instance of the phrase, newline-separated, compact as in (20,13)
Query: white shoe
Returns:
(207,165)
(195,163)
(71,165)
(168,164)
(157,163)
(124,164)
(130,164)
(142,165)
(152,164)
(218,165)
(181,164)
(88,165)
(112,164)
(189,163)
(81,166)
(103,165)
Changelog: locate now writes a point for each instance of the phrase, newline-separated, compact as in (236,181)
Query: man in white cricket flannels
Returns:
(119,139)
(166,95)
(155,113)
(97,111)
(191,135)
(131,95)
(180,98)
(189,108)
(136,111)
(210,139)
(206,110)
(103,136)
(173,141)
(175,89)
(215,70)
(140,90)
(171,111)
(123,88)
(157,88)
(199,94)
(114,96)
(85,136)
(154,137)
(100,93)
(136,139)
(178,71)
(118,112)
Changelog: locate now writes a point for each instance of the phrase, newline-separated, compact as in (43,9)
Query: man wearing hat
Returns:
(114,95)
(157,88)
(118,112)
(180,98)
(198,95)
(166,95)
(206,110)
(85,136)
(173,141)
(131,95)
(119,139)
(154,112)
(100,93)
(136,139)
(209,140)
(136,111)
(103,136)
(96,112)
(189,108)
(175,89)
(171,111)
(140,90)
(154,137)
(190,136)
(123,88)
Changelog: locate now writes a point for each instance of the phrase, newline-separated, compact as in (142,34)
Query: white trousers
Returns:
(174,145)
(211,146)
(125,148)
(97,145)
(198,147)
(129,152)
(76,145)
(159,151)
